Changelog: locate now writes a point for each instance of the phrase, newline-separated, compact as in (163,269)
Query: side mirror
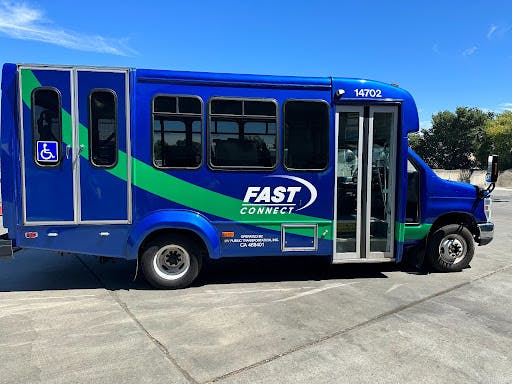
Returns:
(492,169)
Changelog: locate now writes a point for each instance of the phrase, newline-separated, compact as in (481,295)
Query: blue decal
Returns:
(47,151)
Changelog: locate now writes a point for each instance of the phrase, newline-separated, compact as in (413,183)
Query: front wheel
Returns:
(170,261)
(450,248)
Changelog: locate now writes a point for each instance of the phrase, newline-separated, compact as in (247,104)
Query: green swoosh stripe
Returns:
(172,188)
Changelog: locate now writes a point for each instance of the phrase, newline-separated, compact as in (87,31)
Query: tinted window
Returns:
(103,128)
(47,125)
(177,127)
(165,104)
(306,135)
(226,107)
(243,133)
(412,211)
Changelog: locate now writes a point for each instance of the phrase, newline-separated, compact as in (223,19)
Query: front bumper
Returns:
(486,233)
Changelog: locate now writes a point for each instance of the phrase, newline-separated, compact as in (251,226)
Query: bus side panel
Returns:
(8,150)
(264,237)
(219,194)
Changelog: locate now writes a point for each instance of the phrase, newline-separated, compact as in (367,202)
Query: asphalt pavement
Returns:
(70,319)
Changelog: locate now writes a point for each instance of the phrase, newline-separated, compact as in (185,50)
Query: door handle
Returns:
(80,149)
(69,148)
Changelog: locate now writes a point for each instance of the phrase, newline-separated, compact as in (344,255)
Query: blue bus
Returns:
(173,168)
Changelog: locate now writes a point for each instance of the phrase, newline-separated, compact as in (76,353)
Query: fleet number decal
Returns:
(368,92)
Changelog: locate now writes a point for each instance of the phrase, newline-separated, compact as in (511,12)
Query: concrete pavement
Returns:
(68,319)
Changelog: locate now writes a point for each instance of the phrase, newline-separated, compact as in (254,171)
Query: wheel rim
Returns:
(171,262)
(452,248)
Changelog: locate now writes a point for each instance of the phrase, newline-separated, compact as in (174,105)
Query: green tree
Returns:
(456,140)
(499,132)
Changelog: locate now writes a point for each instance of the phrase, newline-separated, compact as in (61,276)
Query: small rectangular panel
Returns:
(299,237)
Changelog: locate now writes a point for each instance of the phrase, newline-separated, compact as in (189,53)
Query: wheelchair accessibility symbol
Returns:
(47,151)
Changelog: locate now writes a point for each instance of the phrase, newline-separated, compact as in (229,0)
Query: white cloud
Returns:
(470,51)
(491,31)
(20,21)
(498,31)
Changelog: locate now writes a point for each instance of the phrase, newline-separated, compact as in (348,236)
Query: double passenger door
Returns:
(365,182)
(74,145)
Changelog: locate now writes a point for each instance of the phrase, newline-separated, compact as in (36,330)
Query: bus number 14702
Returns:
(366,92)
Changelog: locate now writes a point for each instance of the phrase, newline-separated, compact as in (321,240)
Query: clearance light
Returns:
(30,235)
(228,234)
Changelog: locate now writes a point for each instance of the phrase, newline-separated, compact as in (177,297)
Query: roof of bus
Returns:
(327,82)
(155,75)
(232,77)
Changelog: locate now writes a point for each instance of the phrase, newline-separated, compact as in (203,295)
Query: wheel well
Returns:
(456,218)
(183,232)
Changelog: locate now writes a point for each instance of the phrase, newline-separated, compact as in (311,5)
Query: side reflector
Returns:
(30,235)
(488,207)
(228,234)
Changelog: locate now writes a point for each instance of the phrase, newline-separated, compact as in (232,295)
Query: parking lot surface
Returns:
(69,319)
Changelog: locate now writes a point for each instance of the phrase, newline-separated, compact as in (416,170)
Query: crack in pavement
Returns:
(130,314)
(355,326)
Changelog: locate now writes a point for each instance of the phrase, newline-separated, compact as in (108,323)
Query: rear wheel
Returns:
(171,261)
(450,248)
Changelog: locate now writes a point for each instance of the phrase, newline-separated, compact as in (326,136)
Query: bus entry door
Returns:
(365,182)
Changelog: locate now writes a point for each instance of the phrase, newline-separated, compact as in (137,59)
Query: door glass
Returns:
(412,210)
(103,129)
(347,205)
(381,183)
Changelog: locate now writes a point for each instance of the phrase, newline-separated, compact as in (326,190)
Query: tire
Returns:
(450,248)
(171,261)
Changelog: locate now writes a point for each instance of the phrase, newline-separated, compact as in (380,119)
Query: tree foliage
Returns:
(456,140)
(499,136)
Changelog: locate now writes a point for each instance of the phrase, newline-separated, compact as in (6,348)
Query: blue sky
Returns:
(446,53)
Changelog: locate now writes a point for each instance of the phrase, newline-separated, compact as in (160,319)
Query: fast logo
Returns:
(279,199)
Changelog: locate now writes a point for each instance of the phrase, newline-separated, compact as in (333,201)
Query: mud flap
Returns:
(6,250)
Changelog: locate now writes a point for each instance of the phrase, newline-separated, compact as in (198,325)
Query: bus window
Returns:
(243,133)
(306,135)
(412,212)
(47,122)
(103,128)
(177,131)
